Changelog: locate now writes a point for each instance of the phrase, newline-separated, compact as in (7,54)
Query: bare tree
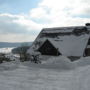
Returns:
(23,52)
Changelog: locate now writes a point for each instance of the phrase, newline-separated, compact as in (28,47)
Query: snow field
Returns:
(57,73)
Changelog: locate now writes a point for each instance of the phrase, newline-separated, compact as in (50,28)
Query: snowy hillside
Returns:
(14,44)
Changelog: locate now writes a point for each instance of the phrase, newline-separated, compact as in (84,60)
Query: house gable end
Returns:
(47,48)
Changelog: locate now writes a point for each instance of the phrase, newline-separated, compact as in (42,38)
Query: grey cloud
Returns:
(8,26)
(86,1)
(87,11)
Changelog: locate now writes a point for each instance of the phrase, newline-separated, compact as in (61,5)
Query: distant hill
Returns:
(9,44)
(18,50)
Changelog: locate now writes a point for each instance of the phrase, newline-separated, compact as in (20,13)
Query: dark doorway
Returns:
(48,49)
(87,52)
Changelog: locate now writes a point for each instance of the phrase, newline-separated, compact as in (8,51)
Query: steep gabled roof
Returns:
(68,42)
(61,29)
(71,45)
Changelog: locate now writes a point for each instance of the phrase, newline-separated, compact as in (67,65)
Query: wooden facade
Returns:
(87,52)
(48,49)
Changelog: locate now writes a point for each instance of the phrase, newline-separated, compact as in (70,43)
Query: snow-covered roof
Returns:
(61,29)
(68,44)
(71,45)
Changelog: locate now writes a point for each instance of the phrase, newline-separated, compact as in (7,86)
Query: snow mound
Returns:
(60,62)
(84,61)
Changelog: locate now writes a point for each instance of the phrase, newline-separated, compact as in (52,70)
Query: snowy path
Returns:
(23,77)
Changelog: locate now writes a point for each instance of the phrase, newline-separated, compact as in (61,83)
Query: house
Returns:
(67,41)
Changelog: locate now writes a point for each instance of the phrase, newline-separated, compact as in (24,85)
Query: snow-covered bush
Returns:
(34,56)
(4,58)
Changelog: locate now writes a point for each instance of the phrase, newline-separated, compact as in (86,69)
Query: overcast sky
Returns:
(22,20)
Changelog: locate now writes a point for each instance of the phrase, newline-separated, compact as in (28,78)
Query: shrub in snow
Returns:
(35,59)
(10,56)
(4,58)
(60,62)
(22,51)
(34,56)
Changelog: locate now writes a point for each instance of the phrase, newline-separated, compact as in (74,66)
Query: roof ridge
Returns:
(62,27)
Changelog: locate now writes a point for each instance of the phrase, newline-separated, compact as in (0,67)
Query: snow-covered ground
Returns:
(29,76)
(57,73)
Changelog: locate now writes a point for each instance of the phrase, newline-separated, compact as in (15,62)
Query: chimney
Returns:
(87,24)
